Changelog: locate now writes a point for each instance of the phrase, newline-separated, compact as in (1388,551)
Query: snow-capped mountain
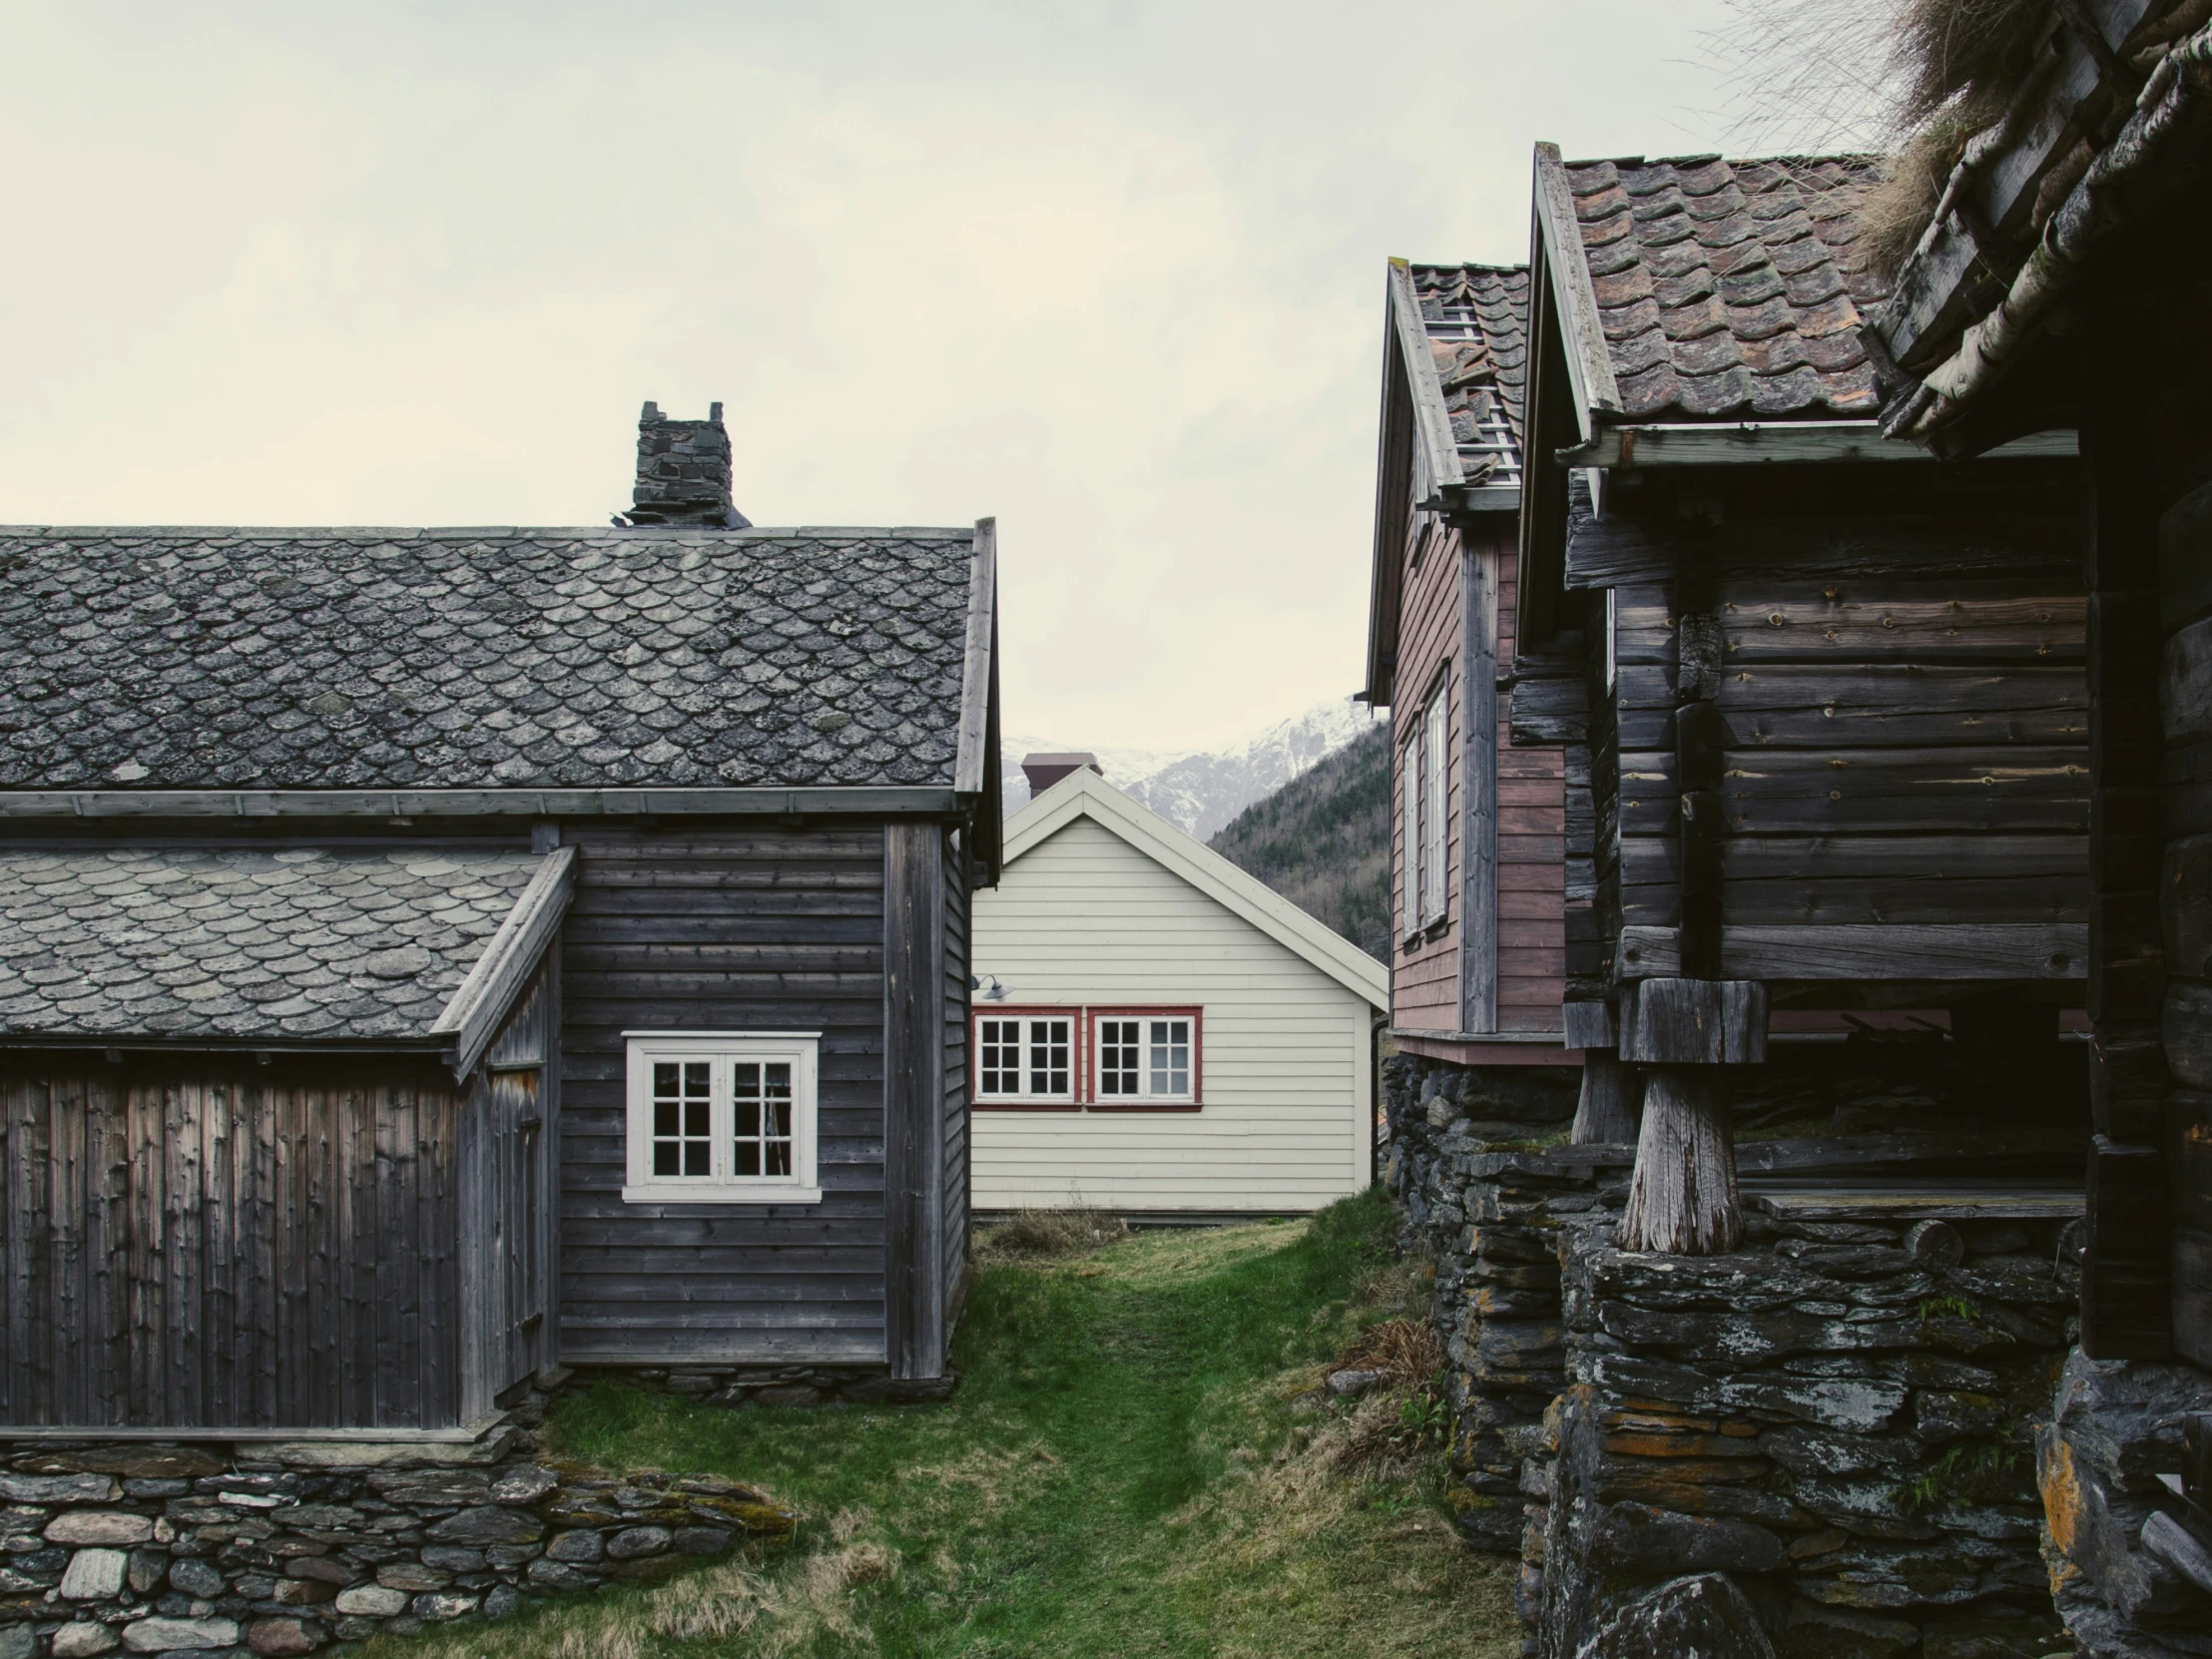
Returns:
(1203,791)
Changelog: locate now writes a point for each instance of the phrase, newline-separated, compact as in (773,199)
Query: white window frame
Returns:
(724,1049)
(1072,1018)
(1436,742)
(1149,1092)
(1410,834)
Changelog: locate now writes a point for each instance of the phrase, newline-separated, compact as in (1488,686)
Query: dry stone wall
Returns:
(199,1550)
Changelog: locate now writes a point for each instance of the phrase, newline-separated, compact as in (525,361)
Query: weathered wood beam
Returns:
(1621,549)
(1681,1198)
(973,755)
(1708,1023)
(1972,951)
(1612,1095)
(1717,444)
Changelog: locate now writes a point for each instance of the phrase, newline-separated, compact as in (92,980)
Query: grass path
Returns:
(1126,1470)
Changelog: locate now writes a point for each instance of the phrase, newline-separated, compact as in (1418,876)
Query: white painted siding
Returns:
(1085,918)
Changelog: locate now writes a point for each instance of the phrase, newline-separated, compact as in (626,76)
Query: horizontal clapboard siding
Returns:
(724,928)
(206,1243)
(1084,917)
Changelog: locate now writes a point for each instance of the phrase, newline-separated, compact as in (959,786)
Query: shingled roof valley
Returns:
(157,659)
(1731,289)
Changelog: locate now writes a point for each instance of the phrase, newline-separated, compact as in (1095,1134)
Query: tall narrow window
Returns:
(1117,1057)
(1435,799)
(722,1117)
(1025,1060)
(1410,839)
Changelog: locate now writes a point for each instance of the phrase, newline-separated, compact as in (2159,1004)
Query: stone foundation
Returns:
(1842,1424)
(744,1386)
(219,1549)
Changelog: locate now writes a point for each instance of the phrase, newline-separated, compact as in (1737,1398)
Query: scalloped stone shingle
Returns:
(153,659)
(294,943)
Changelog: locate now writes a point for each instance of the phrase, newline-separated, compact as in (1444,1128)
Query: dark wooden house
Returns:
(428,955)
(1482,880)
(1829,690)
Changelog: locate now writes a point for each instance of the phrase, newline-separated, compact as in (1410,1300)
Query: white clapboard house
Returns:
(1157,1033)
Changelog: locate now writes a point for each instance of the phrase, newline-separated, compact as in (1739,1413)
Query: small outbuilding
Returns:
(1156,1032)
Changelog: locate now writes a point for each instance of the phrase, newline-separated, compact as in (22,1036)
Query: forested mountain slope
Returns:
(1322,841)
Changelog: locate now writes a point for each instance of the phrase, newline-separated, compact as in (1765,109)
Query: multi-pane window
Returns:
(1070,1058)
(1023,1057)
(1435,773)
(1145,1059)
(1425,768)
(722,1118)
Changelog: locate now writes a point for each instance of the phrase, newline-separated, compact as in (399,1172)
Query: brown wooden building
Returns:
(426,956)
(1479,970)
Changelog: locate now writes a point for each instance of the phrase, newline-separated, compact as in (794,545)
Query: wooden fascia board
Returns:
(1582,330)
(894,800)
(1393,503)
(481,1004)
(1084,794)
(1734,443)
(977,666)
(1961,951)
(1431,419)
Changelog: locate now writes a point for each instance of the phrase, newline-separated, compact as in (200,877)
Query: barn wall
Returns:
(1084,917)
(207,1242)
(734,927)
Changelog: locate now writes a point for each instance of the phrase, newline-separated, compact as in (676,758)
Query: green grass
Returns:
(1126,1470)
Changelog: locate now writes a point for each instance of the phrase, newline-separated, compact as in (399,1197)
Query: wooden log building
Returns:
(430,956)
(1827,691)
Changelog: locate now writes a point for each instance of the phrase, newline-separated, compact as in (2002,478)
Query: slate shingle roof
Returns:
(349,659)
(1475,318)
(285,944)
(1731,289)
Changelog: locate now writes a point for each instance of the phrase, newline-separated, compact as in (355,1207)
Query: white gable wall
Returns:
(1286,1085)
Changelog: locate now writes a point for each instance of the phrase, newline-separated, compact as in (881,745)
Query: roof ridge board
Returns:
(1806,157)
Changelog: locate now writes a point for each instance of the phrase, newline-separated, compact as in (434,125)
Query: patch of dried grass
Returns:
(1962,60)
(1072,1231)
(1892,215)
(1404,1352)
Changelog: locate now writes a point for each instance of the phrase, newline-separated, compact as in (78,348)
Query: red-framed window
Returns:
(1096,1057)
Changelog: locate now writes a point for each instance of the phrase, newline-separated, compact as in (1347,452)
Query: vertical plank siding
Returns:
(712,928)
(914,1098)
(201,1244)
(959,966)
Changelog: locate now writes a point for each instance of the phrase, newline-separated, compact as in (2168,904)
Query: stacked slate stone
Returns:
(1475,1162)
(2129,1554)
(190,1550)
(1840,1416)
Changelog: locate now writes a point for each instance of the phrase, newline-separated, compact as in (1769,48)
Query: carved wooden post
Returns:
(1611,1094)
(1683,1196)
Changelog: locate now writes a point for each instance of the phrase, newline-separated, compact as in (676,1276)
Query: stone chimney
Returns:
(684,472)
(1044,770)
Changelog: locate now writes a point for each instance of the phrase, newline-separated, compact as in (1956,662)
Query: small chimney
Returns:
(684,472)
(1044,770)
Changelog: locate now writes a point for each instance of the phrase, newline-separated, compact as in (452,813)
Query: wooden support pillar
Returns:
(1612,1095)
(1681,1198)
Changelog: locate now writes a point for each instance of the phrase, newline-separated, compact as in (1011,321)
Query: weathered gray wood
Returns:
(1650,900)
(1589,1024)
(1875,622)
(1772,443)
(977,667)
(914,1147)
(1888,1203)
(483,1001)
(2127,1080)
(1439,450)
(1935,1242)
(2186,1027)
(1939,858)
(2126,1275)
(1860,792)
(1478,827)
(1620,548)
(1678,1022)
(1607,1112)
(2191,1270)
(2184,575)
(1581,330)
(1549,710)
(1968,952)
(1682,1195)
(1868,705)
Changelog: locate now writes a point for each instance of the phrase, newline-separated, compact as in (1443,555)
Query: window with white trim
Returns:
(722,1117)
(1144,1058)
(1025,1057)
(1410,839)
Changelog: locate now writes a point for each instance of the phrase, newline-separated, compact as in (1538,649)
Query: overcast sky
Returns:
(1110,273)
